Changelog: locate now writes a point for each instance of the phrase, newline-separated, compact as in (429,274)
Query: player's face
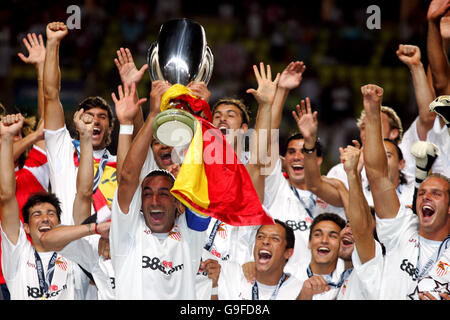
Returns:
(270,251)
(162,154)
(102,129)
(432,207)
(395,165)
(228,116)
(158,204)
(325,242)
(347,243)
(42,218)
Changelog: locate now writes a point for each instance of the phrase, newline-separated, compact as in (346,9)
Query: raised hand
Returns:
(11,124)
(292,75)
(437,9)
(350,157)
(84,123)
(266,87)
(212,268)
(56,31)
(36,49)
(159,87)
(312,286)
(126,106)
(409,54)
(200,90)
(372,97)
(127,69)
(306,121)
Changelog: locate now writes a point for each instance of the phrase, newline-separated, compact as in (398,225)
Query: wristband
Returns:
(126,129)
(215,291)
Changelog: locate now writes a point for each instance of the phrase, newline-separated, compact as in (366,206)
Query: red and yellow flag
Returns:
(214,182)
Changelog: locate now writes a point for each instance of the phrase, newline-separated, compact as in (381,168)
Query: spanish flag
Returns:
(214,182)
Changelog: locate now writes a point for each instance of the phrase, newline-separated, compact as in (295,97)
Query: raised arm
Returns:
(358,212)
(385,198)
(9,208)
(53,110)
(84,124)
(290,78)
(308,125)
(131,168)
(260,143)
(129,74)
(410,55)
(437,57)
(127,108)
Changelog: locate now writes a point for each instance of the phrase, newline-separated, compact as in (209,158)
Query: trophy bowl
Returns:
(174,127)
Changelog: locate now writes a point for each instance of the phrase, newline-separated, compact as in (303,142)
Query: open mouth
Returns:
(264,256)
(157,215)
(223,128)
(347,241)
(298,168)
(166,158)
(44,228)
(96,132)
(427,211)
(323,251)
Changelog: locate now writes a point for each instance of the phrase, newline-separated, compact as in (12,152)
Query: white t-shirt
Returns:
(365,279)
(224,242)
(20,271)
(405,192)
(437,135)
(337,277)
(84,251)
(154,266)
(402,241)
(63,172)
(232,285)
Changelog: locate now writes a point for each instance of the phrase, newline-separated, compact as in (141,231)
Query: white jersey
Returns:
(63,171)
(365,279)
(232,285)
(437,135)
(84,252)
(224,242)
(335,279)
(406,250)
(154,266)
(20,269)
(405,192)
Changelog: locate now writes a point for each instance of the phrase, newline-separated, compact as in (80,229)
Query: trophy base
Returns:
(174,127)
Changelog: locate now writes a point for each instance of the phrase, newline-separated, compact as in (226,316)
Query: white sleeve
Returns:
(338,172)
(229,280)
(272,184)
(390,231)
(83,251)
(11,253)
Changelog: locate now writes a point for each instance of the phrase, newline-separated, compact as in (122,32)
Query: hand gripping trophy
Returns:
(180,56)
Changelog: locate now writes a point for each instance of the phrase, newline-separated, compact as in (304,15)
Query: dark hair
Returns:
(98,102)
(37,198)
(299,136)
(160,172)
(238,104)
(327,217)
(290,236)
(400,158)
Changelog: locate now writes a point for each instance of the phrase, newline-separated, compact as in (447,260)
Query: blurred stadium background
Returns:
(341,54)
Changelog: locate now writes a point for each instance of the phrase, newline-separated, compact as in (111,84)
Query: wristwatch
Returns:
(309,151)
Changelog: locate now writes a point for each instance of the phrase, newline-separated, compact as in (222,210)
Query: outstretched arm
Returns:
(410,55)
(84,123)
(385,198)
(10,213)
(358,213)
(260,143)
(131,168)
(53,110)
(127,109)
(437,57)
(308,125)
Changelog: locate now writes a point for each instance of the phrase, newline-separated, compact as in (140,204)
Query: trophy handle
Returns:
(153,63)
(206,67)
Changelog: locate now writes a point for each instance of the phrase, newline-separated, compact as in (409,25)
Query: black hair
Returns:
(299,136)
(37,198)
(290,235)
(400,158)
(160,172)
(327,217)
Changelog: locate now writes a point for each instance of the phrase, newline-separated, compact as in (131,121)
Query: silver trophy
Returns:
(180,55)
